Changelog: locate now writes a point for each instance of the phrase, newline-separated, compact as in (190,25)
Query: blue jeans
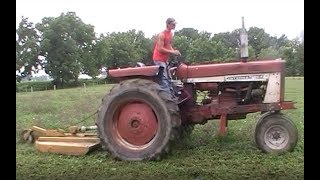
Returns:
(165,81)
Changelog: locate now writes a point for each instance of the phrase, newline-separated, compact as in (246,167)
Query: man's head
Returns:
(171,23)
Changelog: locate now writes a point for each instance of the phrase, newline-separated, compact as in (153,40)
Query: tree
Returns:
(229,39)
(67,43)
(228,45)
(281,41)
(189,33)
(294,56)
(182,43)
(101,51)
(259,40)
(143,46)
(27,48)
(299,58)
(202,50)
(124,49)
(270,53)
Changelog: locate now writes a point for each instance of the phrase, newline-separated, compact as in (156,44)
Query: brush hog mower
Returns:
(74,142)
(137,119)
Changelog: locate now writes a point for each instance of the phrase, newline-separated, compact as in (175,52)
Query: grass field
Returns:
(203,156)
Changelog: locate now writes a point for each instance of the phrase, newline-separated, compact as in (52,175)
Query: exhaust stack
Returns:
(244,54)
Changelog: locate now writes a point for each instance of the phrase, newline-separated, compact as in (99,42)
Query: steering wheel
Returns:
(175,62)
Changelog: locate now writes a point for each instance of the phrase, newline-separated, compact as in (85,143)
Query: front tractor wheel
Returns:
(276,133)
(136,120)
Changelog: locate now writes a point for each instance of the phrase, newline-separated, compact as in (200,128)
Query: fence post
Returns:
(54,87)
(31,89)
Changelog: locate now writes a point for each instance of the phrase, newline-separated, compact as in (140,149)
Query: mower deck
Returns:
(67,145)
(74,142)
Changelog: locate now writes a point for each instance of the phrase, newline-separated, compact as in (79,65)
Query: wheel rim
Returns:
(276,137)
(135,126)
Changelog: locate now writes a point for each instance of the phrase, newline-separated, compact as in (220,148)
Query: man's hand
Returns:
(176,52)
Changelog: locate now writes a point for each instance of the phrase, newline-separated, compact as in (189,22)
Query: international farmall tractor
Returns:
(137,119)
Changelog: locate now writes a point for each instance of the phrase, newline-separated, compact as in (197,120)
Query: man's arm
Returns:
(160,43)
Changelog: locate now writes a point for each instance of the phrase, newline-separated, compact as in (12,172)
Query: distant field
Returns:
(203,156)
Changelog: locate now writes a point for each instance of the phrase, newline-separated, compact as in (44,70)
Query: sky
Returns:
(276,17)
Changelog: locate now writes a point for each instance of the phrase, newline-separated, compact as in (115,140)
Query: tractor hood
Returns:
(222,69)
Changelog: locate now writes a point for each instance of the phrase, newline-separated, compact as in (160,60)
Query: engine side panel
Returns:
(230,78)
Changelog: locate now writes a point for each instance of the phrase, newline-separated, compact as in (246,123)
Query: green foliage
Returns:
(201,50)
(282,41)
(225,53)
(269,53)
(228,39)
(293,53)
(27,47)
(189,33)
(68,44)
(183,44)
(251,52)
(259,39)
(299,59)
(123,49)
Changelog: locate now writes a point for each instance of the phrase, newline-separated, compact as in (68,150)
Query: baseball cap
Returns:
(171,20)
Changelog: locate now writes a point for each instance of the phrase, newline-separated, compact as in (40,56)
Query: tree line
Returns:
(65,46)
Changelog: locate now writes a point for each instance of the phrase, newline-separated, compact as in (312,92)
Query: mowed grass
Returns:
(203,156)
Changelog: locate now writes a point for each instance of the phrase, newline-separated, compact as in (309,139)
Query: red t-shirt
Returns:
(161,56)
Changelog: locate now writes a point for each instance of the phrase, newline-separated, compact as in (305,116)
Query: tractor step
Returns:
(67,145)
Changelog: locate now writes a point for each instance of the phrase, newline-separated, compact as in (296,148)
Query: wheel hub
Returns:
(276,137)
(137,123)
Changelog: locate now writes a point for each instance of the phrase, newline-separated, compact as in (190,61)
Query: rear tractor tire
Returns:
(276,133)
(137,120)
(185,131)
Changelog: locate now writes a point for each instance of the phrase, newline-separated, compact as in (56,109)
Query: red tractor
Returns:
(138,119)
